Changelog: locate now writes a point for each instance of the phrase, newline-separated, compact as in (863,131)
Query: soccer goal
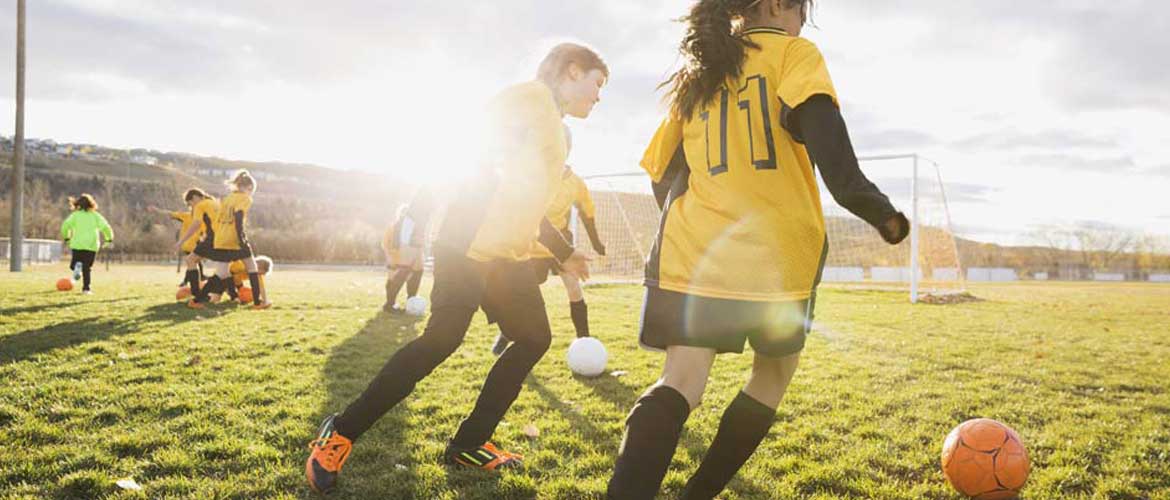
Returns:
(926,263)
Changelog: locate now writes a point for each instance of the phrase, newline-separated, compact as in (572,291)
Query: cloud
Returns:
(1080,163)
(1001,141)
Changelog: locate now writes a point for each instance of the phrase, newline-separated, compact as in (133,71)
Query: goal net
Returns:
(927,262)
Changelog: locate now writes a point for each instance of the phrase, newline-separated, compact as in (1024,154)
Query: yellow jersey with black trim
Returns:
(498,216)
(225,223)
(747,222)
(186,219)
(571,191)
(205,213)
(239,274)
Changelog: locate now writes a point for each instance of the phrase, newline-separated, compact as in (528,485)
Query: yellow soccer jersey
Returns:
(527,154)
(205,212)
(225,223)
(186,219)
(570,191)
(749,224)
(240,274)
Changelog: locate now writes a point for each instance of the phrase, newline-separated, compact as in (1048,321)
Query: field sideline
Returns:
(222,403)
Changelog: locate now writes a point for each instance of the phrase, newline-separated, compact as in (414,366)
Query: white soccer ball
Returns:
(416,306)
(587,357)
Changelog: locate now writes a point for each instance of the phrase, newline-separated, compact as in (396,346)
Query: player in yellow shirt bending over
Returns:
(571,193)
(186,218)
(239,271)
(742,242)
(482,260)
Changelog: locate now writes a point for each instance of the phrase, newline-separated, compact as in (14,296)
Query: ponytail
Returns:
(714,50)
(240,180)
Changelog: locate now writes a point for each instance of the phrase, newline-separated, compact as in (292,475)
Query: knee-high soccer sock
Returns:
(413,283)
(652,432)
(744,425)
(394,285)
(230,285)
(193,281)
(254,280)
(580,314)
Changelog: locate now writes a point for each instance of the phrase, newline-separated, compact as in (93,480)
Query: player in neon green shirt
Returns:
(83,230)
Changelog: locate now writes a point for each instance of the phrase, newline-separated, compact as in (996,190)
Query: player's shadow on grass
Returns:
(177,312)
(371,470)
(29,343)
(623,396)
(62,305)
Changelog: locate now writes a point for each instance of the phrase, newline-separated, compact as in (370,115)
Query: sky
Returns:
(1037,113)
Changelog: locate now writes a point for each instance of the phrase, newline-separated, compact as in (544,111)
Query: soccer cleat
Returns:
(261,306)
(501,345)
(195,304)
(393,309)
(486,457)
(328,453)
(76,271)
(87,292)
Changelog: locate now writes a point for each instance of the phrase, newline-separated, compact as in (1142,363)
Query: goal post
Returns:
(926,263)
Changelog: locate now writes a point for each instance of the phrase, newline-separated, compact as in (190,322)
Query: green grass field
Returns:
(221,403)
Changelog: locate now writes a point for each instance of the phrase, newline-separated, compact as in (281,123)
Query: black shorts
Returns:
(85,257)
(506,291)
(542,268)
(774,329)
(207,251)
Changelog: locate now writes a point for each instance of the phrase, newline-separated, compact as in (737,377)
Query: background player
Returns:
(229,242)
(186,220)
(405,245)
(82,231)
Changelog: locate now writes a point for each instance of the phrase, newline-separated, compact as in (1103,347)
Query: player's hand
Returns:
(895,229)
(109,245)
(178,247)
(577,264)
(600,249)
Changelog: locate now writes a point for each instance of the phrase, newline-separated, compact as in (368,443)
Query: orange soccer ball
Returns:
(985,460)
(64,284)
(245,294)
(183,293)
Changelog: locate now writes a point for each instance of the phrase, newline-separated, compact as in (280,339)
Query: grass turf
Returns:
(221,403)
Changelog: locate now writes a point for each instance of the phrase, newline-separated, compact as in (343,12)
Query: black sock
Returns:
(652,432)
(193,281)
(230,285)
(580,315)
(413,283)
(394,285)
(744,425)
(85,277)
(254,280)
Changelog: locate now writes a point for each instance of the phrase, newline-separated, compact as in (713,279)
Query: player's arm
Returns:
(241,234)
(195,225)
(104,227)
(819,125)
(588,213)
(67,228)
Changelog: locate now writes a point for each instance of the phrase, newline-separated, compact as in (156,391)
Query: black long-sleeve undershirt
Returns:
(552,239)
(819,125)
(238,215)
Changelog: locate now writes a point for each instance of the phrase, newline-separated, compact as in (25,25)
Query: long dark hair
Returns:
(714,50)
(83,202)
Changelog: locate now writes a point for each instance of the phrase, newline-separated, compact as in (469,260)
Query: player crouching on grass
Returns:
(229,242)
(235,288)
(742,242)
(571,192)
(482,261)
(404,244)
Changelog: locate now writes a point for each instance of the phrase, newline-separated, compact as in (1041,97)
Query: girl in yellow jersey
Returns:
(571,192)
(404,244)
(742,241)
(229,242)
(204,209)
(187,220)
(482,260)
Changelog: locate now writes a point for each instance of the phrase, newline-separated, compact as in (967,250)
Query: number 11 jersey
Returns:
(747,224)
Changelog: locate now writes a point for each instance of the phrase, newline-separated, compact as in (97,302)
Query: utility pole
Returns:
(16,240)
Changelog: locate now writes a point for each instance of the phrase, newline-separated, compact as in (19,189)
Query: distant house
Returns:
(143,159)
